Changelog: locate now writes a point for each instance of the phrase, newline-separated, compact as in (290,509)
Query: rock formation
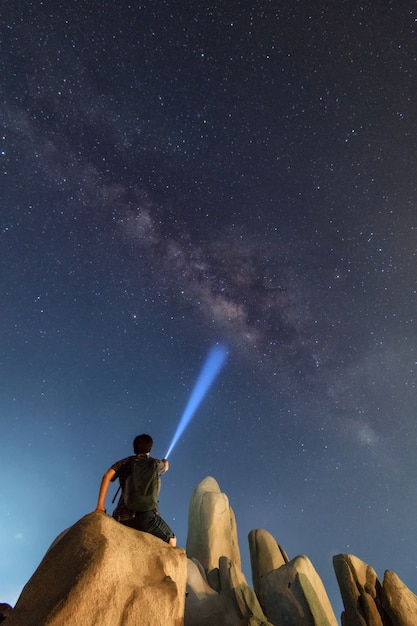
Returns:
(99,572)
(289,592)
(294,594)
(212,530)
(233,602)
(398,601)
(265,556)
(216,585)
(367,602)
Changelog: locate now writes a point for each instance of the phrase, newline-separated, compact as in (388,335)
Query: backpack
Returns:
(142,485)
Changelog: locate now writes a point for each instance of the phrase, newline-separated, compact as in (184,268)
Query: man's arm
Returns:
(104,486)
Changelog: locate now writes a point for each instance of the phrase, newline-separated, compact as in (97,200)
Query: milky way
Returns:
(179,175)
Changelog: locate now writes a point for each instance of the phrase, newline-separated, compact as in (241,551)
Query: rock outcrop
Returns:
(294,594)
(101,573)
(366,601)
(217,591)
(398,601)
(233,602)
(265,556)
(212,531)
(289,592)
(359,587)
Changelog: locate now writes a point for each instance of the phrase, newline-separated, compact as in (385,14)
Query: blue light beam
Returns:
(212,366)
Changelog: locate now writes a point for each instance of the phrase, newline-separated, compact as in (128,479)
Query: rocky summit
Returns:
(101,573)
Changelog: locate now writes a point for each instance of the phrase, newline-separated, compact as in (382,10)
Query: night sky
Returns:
(177,175)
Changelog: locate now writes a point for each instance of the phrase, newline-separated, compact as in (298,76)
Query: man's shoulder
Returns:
(122,463)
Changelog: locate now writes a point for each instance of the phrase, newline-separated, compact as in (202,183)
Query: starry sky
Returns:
(177,175)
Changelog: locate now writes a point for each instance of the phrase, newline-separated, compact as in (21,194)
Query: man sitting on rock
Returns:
(144,514)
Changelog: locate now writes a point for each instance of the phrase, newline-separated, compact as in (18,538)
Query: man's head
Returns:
(142,444)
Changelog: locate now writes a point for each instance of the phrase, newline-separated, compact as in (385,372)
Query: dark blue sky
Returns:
(177,174)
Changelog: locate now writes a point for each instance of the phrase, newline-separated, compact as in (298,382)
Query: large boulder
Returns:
(361,592)
(212,531)
(266,555)
(233,602)
(101,573)
(400,603)
(367,601)
(217,591)
(294,594)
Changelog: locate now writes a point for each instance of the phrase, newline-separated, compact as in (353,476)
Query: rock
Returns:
(217,589)
(399,602)
(100,573)
(361,592)
(265,556)
(234,604)
(103,573)
(212,531)
(204,606)
(294,594)
(233,584)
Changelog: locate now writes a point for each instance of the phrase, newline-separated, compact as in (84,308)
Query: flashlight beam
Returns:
(212,366)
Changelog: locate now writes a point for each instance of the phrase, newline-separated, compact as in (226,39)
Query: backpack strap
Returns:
(115,495)
(132,462)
